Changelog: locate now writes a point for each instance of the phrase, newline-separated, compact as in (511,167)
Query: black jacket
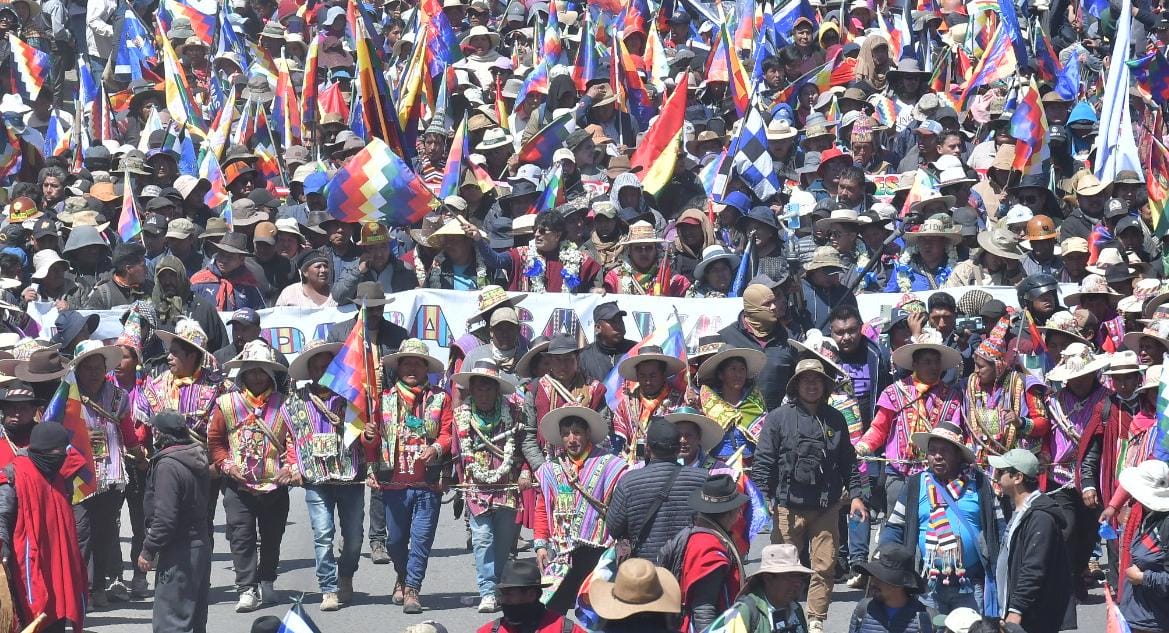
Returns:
(801,464)
(596,360)
(637,492)
(389,336)
(176,499)
(1039,577)
(781,359)
(819,302)
(109,294)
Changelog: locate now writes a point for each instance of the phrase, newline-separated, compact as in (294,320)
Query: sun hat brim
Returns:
(463,380)
(550,424)
(628,367)
(921,440)
(298,368)
(754,359)
(903,356)
(712,433)
(168,337)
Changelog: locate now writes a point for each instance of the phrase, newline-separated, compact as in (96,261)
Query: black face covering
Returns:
(19,434)
(520,614)
(46,447)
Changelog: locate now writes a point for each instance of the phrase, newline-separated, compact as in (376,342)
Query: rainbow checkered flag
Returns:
(1161,437)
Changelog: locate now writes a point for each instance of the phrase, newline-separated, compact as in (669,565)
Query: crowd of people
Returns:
(977,457)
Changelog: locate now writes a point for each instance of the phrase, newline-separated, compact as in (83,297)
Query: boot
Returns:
(138,586)
(378,553)
(118,591)
(345,590)
(410,603)
(399,594)
(330,602)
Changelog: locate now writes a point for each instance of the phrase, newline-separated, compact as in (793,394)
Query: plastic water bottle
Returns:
(1107,532)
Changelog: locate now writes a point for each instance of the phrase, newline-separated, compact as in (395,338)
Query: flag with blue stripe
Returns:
(135,48)
(297,621)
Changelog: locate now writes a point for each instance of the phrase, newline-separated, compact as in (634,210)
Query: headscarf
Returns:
(169,309)
(707,233)
(46,448)
(761,321)
(866,65)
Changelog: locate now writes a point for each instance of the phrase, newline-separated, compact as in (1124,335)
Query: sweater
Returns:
(638,491)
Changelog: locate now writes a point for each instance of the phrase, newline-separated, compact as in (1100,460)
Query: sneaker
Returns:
(249,600)
(815,626)
(118,591)
(330,602)
(857,581)
(378,553)
(399,592)
(139,588)
(410,603)
(488,605)
(268,594)
(345,590)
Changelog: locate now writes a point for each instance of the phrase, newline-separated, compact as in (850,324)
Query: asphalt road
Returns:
(448,595)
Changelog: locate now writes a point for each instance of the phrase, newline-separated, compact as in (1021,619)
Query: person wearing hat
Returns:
(641,598)
(104,413)
(88,254)
(565,384)
(916,403)
(457,265)
(178,539)
(895,585)
(188,385)
(51,282)
(245,328)
(645,269)
(761,324)
(729,395)
(1004,407)
(929,256)
(18,414)
(128,281)
(1096,295)
(332,473)
(945,515)
(605,244)
(803,463)
(576,484)
(803,51)
(714,273)
(172,301)
(227,282)
(645,393)
(376,264)
(996,262)
(38,532)
(770,599)
(1033,573)
(821,286)
(550,263)
(609,343)
(1143,555)
(405,446)
(520,586)
(384,334)
(488,426)
(505,342)
(249,441)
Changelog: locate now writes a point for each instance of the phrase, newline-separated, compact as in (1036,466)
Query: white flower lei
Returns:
(476,470)
(905,278)
(431,279)
(536,268)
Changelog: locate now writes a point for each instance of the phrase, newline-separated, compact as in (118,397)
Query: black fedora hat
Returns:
(563,343)
(521,573)
(234,242)
(763,215)
(718,494)
(896,565)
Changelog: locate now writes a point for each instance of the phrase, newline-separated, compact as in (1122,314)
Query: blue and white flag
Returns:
(135,48)
(297,621)
(750,158)
(1116,147)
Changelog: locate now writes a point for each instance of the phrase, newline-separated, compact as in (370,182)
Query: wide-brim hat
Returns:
(478,31)
(1077,360)
(814,345)
(639,587)
(1000,242)
(808,366)
(1148,483)
(146,93)
(779,559)
(907,67)
(484,369)
(719,494)
(111,353)
(1093,285)
(1154,330)
(492,297)
(947,432)
(627,368)
(523,366)
(550,424)
(642,232)
(905,577)
(711,432)
(930,198)
(839,216)
(370,294)
(246,360)
(754,359)
(168,337)
(43,365)
(521,573)
(298,368)
(712,254)
(903,356)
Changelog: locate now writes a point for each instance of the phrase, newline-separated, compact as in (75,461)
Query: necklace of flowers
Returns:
(535,268)
(629,280)
(477,470)
(431,279)
(905,273)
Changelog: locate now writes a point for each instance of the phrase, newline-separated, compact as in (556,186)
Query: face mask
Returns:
(522,613)
(48,463)
(19,433)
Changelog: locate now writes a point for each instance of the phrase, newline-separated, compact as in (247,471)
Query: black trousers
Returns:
(181,587)
(377,518)
(1082,532)
(97,534)
(135,494)
(255,529)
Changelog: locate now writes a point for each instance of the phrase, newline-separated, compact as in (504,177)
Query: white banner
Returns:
(439,317)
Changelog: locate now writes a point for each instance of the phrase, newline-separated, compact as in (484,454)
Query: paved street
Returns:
(450,581)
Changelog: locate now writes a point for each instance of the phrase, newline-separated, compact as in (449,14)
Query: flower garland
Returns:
(431,279)
(629,283)
(905,272)
(476,465)
(535,268)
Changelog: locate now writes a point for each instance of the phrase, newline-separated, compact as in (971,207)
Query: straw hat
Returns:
(627,368)
(642,232)
(754,359)
(935,226)
(453,228)
(1078,324)
(709,431)
(929,339)
(1077,360)
(257,354)
(484,368)
(412,348)
(1148,483)
(492,297)
(948,432)
(640,587)
(839,216)
(188,331)
(1093,285)
(550,424)
(298,369)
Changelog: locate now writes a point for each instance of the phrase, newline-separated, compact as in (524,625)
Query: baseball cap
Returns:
(1019,459)
(604,209)
(1074,245)
(930,127)
(1128,222)
(245,315)
(662,436)
(154,224)
(993,309)
(265,232)
(607,311)
(44,227)
(506,314)
(42,261)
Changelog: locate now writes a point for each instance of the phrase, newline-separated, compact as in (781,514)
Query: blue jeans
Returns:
(348,502)
(492,535)
(859,535)
(946,598)
(411,521)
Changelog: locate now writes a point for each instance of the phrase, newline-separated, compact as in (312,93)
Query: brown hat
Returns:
(374,234)
(265,232)
(639,587)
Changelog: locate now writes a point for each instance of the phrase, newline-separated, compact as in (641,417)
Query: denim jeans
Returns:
(492,535)
(946,598)
(411,521)
(859,536)
(348,502)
